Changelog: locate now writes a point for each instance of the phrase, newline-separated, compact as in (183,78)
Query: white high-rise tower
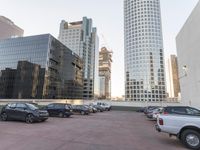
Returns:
(144,58)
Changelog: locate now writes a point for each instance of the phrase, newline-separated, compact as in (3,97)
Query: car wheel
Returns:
(4,116)
(29,118)
(191,139)
(43,120)
(82,113)
(61,115)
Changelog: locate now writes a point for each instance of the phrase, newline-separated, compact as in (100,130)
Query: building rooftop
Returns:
(115,130)
(8,21)
(76,23)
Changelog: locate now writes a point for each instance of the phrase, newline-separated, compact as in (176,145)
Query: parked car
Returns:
(59,109)
(106,106)
(99,108)
(24,112)
(153,115)
(140,109)
(185,127)
(149,109)
(91,108)
(81,109)
(181,110)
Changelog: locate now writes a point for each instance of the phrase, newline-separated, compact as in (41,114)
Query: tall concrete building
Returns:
(82,39)
(188,52)
(105,60)
(144,57)
(173,76)
(8,29)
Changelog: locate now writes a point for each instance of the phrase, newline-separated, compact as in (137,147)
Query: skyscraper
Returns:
(144,58)
(82,39)
(173,76)
(8,29)
(105,60)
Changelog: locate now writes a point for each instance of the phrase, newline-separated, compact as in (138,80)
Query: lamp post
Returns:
(185,69)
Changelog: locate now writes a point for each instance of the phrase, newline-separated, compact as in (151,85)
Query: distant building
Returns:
(7,79)
(29,80)
(105,60)
(39,67)
(188,50)
(144,57)
(173,76)
(8,29)
(82,39)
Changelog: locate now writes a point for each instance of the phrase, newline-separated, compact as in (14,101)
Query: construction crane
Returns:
(105,43)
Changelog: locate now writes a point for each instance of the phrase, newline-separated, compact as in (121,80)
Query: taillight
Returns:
(165,113)
(161,122)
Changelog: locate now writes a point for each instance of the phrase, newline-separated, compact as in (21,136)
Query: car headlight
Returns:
(36,113)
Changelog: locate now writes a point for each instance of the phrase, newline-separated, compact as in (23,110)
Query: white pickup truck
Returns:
(186,128)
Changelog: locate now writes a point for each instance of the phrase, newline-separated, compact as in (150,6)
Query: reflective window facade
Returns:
(39,67)
(144,58)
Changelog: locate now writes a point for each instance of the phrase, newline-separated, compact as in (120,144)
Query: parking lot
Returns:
(115,130)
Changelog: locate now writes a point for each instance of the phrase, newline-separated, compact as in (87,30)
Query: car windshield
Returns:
(68,107)
(84,107)
(32,107)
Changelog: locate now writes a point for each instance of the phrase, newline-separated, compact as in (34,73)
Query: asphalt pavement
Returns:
(114,130)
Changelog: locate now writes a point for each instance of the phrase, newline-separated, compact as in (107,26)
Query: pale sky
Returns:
(44,16)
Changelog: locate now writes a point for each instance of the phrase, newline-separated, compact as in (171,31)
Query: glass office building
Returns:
(81,37)
(39,67)
(144,58)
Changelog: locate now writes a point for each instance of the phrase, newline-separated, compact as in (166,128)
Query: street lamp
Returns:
(185,69)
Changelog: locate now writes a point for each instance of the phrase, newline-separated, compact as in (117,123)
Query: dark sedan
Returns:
(81,109)
(94,110)
(98,107)
(91,109)
(59,109)
(24,112)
